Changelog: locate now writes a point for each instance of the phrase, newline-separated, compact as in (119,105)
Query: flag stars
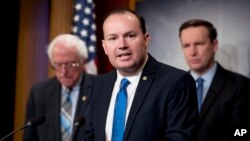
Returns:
(91,48)
(87,10)
(84,25)
(93,37)
(93,16)
(84,33)
(74,29)
(76,18)
(93,26)
(90,1)
(78,7)
(85,21)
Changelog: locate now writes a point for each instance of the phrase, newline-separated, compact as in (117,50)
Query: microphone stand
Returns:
(78,122)
(33,122)
(73,133)
(20,128)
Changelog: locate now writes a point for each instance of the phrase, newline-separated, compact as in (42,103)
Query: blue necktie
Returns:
(199,89)
(120,112)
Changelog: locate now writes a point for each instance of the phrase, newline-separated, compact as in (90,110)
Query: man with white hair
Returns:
(63,97)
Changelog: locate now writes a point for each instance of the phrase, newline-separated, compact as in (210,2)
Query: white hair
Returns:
(69,40)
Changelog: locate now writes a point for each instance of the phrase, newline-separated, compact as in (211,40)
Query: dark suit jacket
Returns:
(164,106)
(225,107)
(45,99)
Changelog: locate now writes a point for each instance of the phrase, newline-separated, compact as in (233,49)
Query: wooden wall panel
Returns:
(39,22)
(31,56)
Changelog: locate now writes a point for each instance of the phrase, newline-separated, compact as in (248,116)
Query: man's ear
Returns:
(216,45)
(104,47)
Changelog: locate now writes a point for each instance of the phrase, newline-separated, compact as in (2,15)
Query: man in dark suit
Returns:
(161,100)
(225,96)
(67,54)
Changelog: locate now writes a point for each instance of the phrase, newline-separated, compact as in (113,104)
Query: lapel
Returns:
(103,96)
(53,109)
(214,90)
(84,94)
(141,92)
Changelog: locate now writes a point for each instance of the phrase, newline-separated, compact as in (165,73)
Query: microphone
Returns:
(38,120)
(78,123)
(35,121)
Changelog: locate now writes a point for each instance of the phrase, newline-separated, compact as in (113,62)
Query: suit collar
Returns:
(85,89)
(214,89)
(143,87)
(103,96)
(53,107)
(54,102)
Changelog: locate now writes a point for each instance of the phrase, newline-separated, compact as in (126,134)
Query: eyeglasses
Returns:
(68,66)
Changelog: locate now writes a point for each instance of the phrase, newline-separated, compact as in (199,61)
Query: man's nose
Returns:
(122,43)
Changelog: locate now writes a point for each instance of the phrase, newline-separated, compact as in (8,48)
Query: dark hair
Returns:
(198,22)
(122,10)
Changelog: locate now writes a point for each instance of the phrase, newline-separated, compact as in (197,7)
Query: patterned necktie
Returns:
(66,118)
(199,89)
(120,112)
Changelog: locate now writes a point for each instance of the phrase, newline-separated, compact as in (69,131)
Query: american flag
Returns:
(84,26)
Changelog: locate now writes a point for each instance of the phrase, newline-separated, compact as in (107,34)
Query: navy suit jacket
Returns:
(225,107)
(164,106)
(45,99)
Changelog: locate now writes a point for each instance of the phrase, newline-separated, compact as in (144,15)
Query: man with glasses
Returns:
(64,97)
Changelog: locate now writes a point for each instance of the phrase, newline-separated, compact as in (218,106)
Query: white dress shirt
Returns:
(131,89)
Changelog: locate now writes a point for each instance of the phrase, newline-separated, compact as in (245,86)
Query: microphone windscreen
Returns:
(79,121)
(37,120)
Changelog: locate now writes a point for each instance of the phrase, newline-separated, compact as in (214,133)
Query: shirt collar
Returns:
(208,75)
(132,79)
(76,86)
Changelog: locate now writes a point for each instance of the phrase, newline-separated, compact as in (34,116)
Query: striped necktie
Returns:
(66,117)
(120,112)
